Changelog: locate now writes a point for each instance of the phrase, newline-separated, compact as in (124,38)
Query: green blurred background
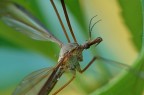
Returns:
(120,28)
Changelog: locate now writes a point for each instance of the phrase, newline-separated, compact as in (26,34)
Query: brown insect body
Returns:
(41,82)
(68,61)
(70,55)
(69,58)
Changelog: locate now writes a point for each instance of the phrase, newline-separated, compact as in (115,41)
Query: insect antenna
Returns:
(91,27)
(94,25)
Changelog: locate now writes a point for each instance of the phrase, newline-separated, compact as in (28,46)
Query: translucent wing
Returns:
(32,84)
(121,66)
(17,17)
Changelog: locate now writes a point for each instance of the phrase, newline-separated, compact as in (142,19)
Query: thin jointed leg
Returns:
(94,58)
(124,66)
(64,85)
(67,19)
(61,23)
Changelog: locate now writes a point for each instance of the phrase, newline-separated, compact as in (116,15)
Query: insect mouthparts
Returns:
(92,42)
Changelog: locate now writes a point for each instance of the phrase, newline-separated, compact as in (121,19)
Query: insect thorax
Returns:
(76,55)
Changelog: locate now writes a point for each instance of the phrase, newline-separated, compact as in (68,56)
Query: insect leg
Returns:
(65,85)
(84,69)
(60,20)
(68,21)
(121,65)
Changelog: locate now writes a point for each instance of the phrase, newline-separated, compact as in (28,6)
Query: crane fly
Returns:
(70,54)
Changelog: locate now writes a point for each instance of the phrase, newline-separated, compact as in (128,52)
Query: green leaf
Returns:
(130,84)
(132,14)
